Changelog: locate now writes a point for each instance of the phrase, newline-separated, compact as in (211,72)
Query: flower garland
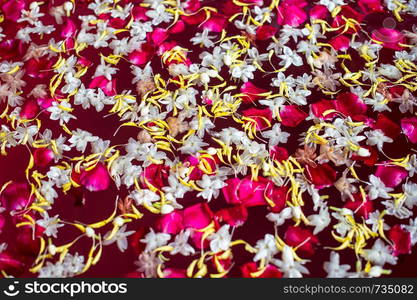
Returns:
(253,138)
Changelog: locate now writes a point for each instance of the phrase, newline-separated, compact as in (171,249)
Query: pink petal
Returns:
(117,23)
(292,116)
(321,175)
(191,5)
(16,196)
(230,191)
(68,29)
(159,35)
(279,153)
(360,207)
(197,216)
(29,110)
(156,175)
(259,116)
(251,92)
(139,13)
(289,14)
(12,9)
(38,68)
(251,193)
(319,12)
(387,126)
(174,273)
(370,6)
(44,103)
(302,238)
(234,216)
(401,239)
(171,223)
(340,42)
(250,268)
(390,38)
(390,175)
(108,87)
(178,27)
(97,179)
(321,107)
(8,263)
(43,156)
(278,195)
(143,55)
(2,222)
(216,23)
(349,104)
(265,32)
(194,19)
(409,128)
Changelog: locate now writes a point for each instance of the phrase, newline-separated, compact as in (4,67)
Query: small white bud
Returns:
(68,6)
(375,271)
(118,221)
(89,232)
(364,152)
(52,249)
(166,209)
(211,151)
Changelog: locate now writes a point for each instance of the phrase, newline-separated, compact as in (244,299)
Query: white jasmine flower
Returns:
(289,266)
(144,197)
(130,173)
(251,29)
(192,145)
(155,240)
(410,194)
(50,224)
(48,192)
(220,241)
(243,71)
(61,111)
(389,71)
(281,217)
(377,137)
(203,39)
(175,188)
(71,265)
(140,29)
(80,139)
(211,186)
(333,267)
(378,102)
(412,229)
(377,188)
(262,14)
(266,248)
(159,15)
(58,176)
(275,135)
(180,245)
(380,254)
(332,4)
(147,263)
(320,220)
(290,57)
(105,70)
(373,219)
(120,238)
